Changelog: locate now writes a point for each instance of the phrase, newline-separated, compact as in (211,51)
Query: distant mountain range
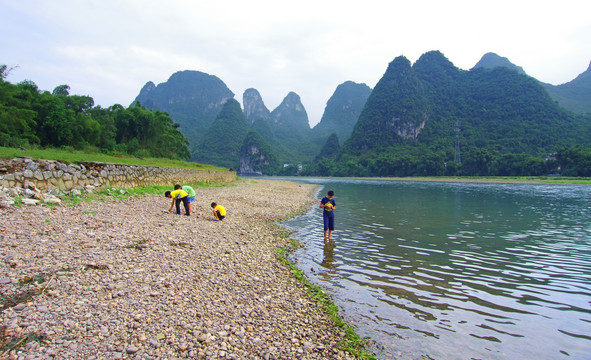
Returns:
(574,95)
(498,108)
(496,105)
(198,101)
(492,60)
(192,98)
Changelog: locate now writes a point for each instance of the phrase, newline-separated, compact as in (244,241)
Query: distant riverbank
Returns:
(495,180)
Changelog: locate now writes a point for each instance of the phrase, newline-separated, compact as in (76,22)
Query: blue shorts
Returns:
(191,199)
(328,217)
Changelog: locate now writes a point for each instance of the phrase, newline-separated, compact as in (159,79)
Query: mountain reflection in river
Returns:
(457,270)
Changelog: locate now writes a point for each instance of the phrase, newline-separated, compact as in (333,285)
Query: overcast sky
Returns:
(109,49)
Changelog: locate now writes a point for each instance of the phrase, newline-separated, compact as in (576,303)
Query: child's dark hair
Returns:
(213,204)
(330,193)
(167,193)
(177,186)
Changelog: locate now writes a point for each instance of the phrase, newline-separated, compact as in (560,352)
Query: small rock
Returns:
(28,192)
(30,201)
(50,199)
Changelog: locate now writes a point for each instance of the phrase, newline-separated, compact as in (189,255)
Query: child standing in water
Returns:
(329,205)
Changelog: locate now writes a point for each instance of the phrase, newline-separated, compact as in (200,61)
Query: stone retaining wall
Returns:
(51,174)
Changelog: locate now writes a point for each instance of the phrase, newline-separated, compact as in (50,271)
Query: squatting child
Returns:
(218,211)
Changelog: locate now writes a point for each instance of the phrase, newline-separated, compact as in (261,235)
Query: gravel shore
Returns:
(124,279)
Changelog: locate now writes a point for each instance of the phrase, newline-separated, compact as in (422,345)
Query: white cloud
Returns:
(109,49)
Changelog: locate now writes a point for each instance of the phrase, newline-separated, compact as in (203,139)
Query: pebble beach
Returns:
(125,279)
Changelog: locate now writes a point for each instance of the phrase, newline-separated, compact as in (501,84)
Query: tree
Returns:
(54,121)
(5,71)
(518,165)
(432,164)
(476,162)
(17,119)
(574,161)
(63,90)
(29,116)
(330,149)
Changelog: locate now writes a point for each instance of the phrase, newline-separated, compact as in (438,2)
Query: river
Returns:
(439,270)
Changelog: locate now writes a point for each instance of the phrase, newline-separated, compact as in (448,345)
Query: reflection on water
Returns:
(328,260)
(458,271)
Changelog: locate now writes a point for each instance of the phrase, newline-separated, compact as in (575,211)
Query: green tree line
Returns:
(31,117)
(412,160)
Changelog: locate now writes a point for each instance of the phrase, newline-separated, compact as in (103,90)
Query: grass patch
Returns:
(123,194)
(12,342)
(9,343)
(27,293)
(183,244)
(138,245)
(96,267)
(39,279)
(353,343)
(18,298)
(77,156)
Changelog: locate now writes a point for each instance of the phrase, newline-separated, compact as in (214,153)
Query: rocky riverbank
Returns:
(55,175)
(126,279)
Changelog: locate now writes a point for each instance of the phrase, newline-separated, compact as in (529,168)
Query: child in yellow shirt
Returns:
(218,211)
(177,196)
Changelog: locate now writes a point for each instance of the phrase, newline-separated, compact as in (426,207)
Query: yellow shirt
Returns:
(178,194)
(221,209)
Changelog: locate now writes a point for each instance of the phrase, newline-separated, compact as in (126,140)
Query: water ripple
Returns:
(498,271)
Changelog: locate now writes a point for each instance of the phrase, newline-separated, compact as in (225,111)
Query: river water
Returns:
(436,270)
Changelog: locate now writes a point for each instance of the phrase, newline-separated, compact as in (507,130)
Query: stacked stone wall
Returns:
(52,174)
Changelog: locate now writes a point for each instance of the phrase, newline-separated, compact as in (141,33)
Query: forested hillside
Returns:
(341,112)
(432,118)
(574,95)
(32,117)
(256,156)
(192,98)
(221,143)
